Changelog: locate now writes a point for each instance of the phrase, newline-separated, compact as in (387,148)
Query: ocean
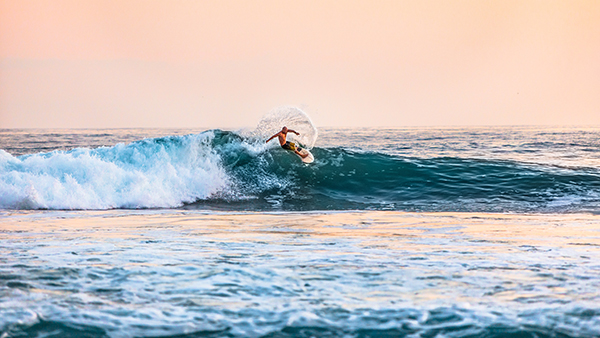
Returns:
(391,232)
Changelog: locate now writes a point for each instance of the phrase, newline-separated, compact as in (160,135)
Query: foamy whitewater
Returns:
(400,232)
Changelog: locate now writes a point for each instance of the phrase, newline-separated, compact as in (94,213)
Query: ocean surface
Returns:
(396,232)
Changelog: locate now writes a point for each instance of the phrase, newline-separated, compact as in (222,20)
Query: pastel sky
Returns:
(225,63)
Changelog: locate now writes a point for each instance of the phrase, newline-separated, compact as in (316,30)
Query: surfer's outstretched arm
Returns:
(293,131)
(272,137)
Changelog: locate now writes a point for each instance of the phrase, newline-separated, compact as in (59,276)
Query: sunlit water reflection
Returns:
(356,274)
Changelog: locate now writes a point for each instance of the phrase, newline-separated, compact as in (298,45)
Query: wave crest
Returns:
(161,172)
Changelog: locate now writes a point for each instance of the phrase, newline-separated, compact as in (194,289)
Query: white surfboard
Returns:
(308,159)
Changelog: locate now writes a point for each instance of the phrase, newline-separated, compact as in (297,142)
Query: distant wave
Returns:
(223,170)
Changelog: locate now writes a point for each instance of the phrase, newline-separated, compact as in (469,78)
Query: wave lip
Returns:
(163,172)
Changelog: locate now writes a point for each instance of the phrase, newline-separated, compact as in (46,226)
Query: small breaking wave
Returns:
(329,322)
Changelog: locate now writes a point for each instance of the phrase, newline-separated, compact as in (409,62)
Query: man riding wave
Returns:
(287,145)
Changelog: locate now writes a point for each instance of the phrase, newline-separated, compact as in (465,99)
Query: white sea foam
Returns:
(165,172)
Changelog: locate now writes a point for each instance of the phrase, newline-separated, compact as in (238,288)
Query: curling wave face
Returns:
(159,172)
(225,171)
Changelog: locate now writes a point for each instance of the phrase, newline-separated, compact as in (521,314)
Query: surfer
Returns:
(287,145)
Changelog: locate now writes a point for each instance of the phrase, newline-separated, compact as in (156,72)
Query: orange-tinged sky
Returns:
(160,63)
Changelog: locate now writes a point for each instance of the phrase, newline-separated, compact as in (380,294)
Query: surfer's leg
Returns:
(300,154)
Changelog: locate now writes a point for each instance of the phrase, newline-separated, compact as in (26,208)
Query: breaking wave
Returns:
(223,170)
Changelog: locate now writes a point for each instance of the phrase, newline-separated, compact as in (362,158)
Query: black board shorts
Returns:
(289,146)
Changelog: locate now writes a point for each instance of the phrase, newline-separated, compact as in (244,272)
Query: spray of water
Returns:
(291,117)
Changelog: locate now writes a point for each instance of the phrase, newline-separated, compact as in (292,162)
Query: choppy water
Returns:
(418,232)
(336,274)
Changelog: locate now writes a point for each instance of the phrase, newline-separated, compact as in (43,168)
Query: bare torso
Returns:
(282,137)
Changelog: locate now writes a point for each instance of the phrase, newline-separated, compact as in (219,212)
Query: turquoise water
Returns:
(544,170)
(415,232)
